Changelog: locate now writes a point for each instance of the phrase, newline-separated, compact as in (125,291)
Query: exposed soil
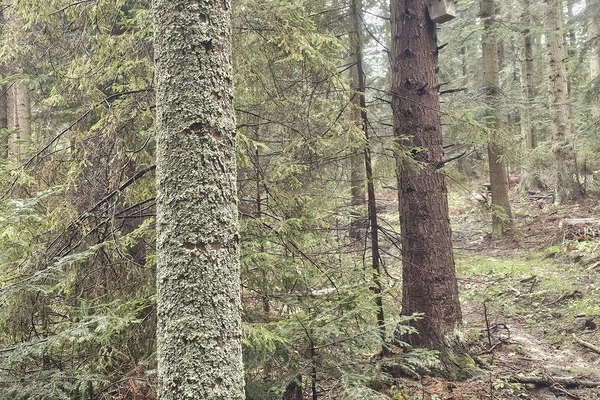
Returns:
(520,327)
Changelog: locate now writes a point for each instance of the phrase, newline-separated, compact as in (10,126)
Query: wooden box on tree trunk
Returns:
(441,11)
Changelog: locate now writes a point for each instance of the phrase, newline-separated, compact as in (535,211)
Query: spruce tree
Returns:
(429,283)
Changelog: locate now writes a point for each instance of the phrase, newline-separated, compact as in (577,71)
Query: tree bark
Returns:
(357,161)
(198,273)
(18,120)
(429,280)
(12,121)
(23,113)
(367,167)
(566,180)
(4,122)
(571,36)
(3,104)
(496,122)
(527,82)
(18,103)
(530,179)
(591,9)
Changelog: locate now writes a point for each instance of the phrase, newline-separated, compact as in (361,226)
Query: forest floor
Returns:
(528,303)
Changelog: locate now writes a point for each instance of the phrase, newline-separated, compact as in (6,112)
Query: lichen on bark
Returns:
(198,274)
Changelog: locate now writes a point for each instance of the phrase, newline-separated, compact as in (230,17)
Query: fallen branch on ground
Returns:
(553,380)
(590,346)
(564,392)
(566,296)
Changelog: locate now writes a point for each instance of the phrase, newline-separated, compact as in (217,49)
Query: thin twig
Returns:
(70,5)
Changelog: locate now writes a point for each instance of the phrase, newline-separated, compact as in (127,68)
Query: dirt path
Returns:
(530,328)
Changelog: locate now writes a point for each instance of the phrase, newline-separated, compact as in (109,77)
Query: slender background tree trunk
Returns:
(3,121)
(367,167)
(357,168)
(530,179)
(3,101)
(591,8)
(496,122)
(566,181)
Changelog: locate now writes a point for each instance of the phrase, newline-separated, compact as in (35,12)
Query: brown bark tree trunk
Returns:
(566,180)
(429,280)
(496,122)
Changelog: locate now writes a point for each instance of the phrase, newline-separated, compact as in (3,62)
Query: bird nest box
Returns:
(441,11)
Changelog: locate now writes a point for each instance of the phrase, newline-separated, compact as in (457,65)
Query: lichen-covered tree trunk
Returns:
(198,275)
(566,180)
(496,122)
(429,282)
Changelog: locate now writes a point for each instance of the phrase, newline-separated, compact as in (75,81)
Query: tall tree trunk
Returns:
(428,273)
(18,103)
(362,121)
(571,35)
(3,102)
(4,122)
(591,8)
(566,181)
(357,161)
(12,121)
(461,164)
(496,122)
(198,275)
(23,107)
(527,82)
(530,179)
(19,120)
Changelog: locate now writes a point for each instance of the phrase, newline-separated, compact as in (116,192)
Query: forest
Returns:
(299,199)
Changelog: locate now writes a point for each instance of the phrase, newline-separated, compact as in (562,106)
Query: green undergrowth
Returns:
(557,283)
